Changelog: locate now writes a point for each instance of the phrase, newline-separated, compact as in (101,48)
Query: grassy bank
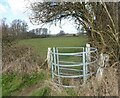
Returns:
(36,83)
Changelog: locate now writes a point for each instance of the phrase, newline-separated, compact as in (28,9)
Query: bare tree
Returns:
(24,27)
(98,18)
(19,28)
(4,27)
(16,26)
(7,35)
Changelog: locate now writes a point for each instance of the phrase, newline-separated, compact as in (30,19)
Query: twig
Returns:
(115,64)
(43,63)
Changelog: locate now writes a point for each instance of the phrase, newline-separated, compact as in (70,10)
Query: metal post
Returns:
(58,66)
(84,76)
(86,61)
(54,58)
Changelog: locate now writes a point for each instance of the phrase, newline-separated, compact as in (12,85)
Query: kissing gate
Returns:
(71,66)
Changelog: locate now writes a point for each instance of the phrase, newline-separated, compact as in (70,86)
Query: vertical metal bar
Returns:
(54,58)
(86,61)
(58,66)
(84,77)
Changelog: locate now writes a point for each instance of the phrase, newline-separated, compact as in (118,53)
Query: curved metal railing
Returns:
(69,67)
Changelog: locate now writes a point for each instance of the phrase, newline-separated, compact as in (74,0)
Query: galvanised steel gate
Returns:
(71,64)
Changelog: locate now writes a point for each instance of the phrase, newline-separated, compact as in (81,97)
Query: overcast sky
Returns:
(16,9)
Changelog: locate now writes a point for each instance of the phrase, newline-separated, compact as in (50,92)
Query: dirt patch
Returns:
(27,91)
(54,89)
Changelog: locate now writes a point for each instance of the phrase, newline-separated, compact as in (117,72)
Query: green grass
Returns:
(45,91)
(12,82)
(40,45)
(70,92)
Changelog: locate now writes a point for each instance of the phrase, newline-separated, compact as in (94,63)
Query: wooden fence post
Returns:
(88,52)
(49,58)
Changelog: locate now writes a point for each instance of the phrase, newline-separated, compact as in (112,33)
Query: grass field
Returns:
(40,45)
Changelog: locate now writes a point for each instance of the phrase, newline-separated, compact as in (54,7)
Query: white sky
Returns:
(16,9)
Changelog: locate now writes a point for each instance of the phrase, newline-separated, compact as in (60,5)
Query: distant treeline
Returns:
(18,29)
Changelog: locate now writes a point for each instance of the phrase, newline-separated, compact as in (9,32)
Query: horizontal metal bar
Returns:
(92,62)
(70,74)
(62,76)
(69,62)
(73,54)
(77,76)
(73,65)
(70,47)
(91,48)
(66,86)
(71,69)
(76,54)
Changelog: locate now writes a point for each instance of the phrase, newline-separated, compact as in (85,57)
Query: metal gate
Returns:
(71,65)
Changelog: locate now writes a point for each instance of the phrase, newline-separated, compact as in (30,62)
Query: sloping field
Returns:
(40,45)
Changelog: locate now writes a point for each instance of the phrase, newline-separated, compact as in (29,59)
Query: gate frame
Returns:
(85,57)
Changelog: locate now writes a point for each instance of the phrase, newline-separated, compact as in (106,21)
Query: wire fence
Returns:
(72,64)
